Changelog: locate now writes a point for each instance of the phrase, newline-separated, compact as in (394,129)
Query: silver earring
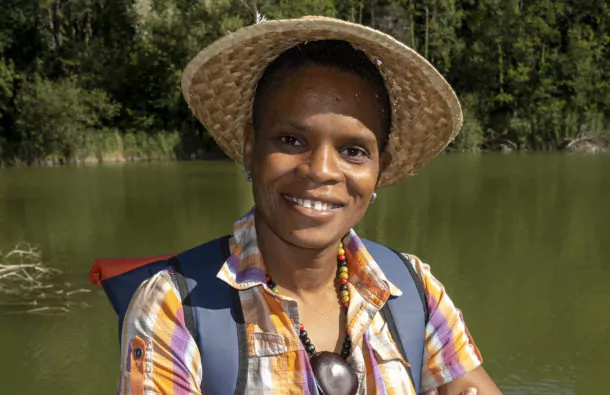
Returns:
(373,198)
(247,174)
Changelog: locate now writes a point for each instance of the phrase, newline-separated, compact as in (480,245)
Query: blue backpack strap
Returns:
(215,317)
(406,315)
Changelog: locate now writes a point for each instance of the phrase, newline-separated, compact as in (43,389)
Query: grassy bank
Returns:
(102,146)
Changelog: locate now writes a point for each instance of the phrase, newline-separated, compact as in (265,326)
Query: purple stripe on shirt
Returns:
(444,334)
(233,262)
(128,367)
(178,347)
(121,385)
(354,243)
(252,274)
(379,382)
(309,383)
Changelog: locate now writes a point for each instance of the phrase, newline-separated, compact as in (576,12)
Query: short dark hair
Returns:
(336,54)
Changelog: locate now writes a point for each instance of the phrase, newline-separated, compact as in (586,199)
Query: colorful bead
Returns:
(343,281)
(343,275)
(345,299)
(343,269)
(341,258)
(344,293)
(341,251)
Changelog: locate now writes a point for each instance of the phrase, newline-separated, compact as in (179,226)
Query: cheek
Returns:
(362,183)
(272,167)
(269,172)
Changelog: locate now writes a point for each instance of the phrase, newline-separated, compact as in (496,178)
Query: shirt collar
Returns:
(245,267)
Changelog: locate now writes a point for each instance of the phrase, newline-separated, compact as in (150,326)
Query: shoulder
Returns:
(431,284)
(156,293)
(420,267)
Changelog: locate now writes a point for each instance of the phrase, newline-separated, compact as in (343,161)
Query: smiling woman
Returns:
(321,113)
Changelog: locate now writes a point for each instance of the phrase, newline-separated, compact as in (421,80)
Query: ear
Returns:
(248,148)
(384,162)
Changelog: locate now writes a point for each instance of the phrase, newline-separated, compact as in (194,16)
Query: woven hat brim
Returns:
(220,82)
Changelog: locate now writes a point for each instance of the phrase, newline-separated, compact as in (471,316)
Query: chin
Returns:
(312,238)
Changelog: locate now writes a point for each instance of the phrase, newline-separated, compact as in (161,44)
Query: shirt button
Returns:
(137,353)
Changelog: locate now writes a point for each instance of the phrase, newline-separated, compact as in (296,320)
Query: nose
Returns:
(323,165)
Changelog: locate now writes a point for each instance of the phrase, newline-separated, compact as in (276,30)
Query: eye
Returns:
(290,140)
(355,152)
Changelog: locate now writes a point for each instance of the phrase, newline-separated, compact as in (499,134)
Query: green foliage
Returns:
(57,119)
(142,146)
(84,79)
(7,80)
(471,137)
(284,9)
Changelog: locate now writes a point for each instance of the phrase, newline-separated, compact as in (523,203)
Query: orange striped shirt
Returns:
(159,355)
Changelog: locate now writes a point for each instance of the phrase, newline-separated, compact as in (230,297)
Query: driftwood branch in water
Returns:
(26,284)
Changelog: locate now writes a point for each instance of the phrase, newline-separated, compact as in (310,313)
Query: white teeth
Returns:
(313,204)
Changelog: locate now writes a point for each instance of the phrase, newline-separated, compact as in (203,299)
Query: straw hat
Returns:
(219,85)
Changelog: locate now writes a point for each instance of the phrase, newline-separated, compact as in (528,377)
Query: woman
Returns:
(321,113)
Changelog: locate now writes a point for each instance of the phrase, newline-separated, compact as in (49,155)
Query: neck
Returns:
(299,271)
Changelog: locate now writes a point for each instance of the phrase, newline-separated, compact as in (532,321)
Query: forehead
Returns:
(312,90)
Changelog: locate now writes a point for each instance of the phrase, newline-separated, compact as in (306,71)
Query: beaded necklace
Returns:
(333,374)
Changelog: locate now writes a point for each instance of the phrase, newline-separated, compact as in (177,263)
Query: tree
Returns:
(57,119)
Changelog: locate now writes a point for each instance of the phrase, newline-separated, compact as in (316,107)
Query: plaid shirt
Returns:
(159,355)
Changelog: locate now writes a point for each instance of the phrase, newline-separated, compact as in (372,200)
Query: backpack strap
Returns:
(406,315)
(215,317)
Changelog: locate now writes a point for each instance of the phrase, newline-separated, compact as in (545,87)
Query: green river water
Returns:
(521,242)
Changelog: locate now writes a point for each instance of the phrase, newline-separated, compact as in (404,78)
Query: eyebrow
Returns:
(359,139)
(298,126)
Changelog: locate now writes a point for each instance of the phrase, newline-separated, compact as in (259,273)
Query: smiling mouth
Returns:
(317,205)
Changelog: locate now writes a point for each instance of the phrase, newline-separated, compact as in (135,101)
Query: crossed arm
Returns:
(475,382)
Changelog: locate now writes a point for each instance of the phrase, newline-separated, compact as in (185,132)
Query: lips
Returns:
(318,205)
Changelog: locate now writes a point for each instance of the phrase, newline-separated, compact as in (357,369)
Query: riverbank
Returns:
(584,145)
(133,148)
(589,145)
(112,146)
